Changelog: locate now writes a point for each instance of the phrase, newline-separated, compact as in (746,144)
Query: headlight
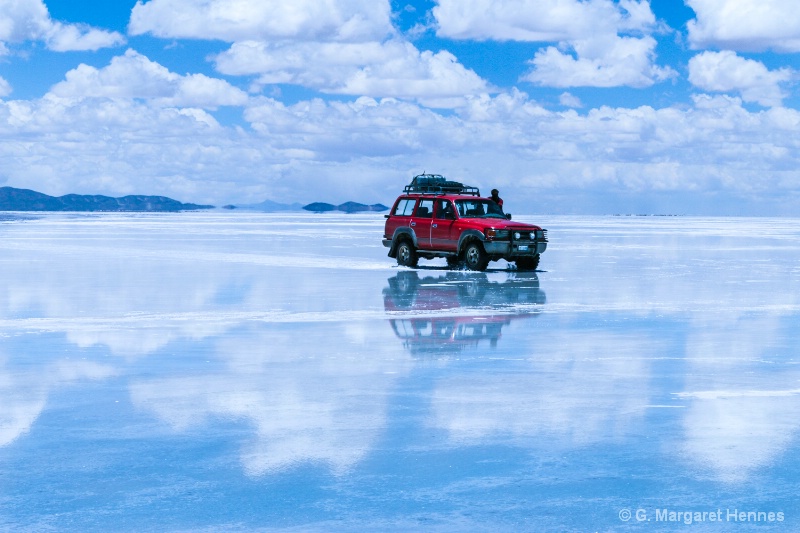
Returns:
(517,236)
(500,234)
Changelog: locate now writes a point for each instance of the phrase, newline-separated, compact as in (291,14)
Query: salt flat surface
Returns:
(239,372)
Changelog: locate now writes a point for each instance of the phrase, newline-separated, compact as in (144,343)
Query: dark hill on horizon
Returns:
(12,199)
(347,207)
(268,206)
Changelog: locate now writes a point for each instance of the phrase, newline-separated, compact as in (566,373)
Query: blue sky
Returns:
(566,106)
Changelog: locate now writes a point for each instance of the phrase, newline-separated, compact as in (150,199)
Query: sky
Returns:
(566,106)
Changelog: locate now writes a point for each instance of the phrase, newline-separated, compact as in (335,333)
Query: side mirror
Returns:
(386,216)
(508,216)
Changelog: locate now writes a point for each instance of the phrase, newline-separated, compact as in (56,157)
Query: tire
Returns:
(407,254)
(528,263)
(475,257)
(472,289)
(403,289)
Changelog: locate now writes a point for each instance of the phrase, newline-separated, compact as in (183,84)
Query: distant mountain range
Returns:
(347,207)
(12,199)
(268,206)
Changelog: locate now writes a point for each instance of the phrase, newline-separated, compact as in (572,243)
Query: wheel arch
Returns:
(400,234)
(467,237)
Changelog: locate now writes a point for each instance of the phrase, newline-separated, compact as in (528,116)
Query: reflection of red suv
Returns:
(439,218)
(441,329)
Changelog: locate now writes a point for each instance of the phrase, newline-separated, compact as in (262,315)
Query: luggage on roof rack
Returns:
(437,184)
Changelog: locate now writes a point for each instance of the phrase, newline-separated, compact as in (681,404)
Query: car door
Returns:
(421,223)
(444,220)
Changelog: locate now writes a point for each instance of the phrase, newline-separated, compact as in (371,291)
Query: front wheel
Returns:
(407,254)
(475,257)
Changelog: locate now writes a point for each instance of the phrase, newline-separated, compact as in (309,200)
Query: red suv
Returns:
(440,218)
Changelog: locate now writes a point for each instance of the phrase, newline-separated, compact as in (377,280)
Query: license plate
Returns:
(522,247)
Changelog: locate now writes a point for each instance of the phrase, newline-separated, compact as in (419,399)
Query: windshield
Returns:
(479,209)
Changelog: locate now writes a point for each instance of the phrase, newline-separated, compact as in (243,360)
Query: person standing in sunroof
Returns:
(496,197)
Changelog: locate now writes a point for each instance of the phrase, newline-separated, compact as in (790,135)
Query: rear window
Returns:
(404,207)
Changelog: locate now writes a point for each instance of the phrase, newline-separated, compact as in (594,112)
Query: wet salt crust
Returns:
(239,371)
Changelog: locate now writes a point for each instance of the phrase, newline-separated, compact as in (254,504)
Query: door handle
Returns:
(413,223)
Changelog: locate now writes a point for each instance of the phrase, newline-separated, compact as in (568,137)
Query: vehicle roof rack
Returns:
(437,184)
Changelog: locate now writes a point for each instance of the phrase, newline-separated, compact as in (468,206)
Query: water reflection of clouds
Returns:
(742,398)
(309,351)
(571,390)
(311,393)
(24,390)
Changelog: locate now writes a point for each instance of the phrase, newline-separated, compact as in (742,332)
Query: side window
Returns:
(425,209)
(444,209)
(404,207)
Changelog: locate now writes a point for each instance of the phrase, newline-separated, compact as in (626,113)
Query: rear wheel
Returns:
(475,257)
(407,254)
(528,263)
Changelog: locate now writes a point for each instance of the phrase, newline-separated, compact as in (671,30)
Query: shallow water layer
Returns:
(238,372)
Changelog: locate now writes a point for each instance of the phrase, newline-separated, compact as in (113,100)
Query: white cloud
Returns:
(539,20)
(611,62)
(76,37)
(241,20)
(120,146)
(366,147)
(29,20)
(570,100)
(725,72)
(336,47)
(601,43)
(393,68)
(5,88)
(745,25)
(134,76)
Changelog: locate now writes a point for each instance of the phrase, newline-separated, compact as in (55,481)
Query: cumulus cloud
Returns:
(5,88)
(241,20)
(393,68)
(135,76)
(611,62)
(727,72)
(29,20)
(538,20)
(570,100)
(601,43)
(369,145)
(525,145)
(336,47)
(120,146)
(745,25)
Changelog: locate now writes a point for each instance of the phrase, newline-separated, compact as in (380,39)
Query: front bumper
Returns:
(387,243)
(512,249)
